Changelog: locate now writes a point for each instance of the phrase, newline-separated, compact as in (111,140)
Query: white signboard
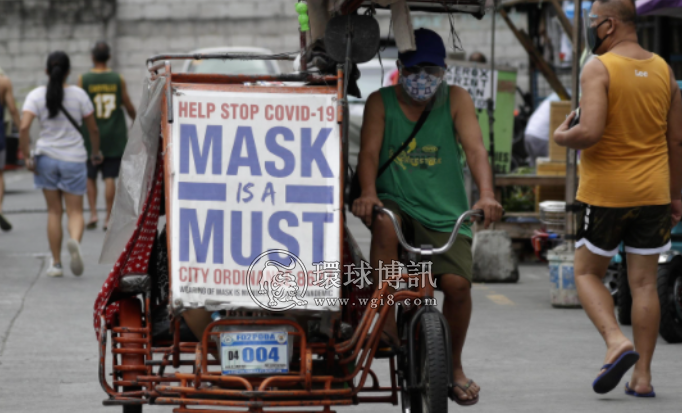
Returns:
(476,81)
(254,173)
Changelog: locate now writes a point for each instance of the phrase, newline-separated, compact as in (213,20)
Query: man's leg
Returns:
(92,200)
(646,315)
(384,248)
(457,311)
(92,193)
(109,194)
(596,299)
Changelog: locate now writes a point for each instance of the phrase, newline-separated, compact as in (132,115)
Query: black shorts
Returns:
(109,167)
(644,230)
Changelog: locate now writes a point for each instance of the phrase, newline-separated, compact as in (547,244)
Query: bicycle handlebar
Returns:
(428,251)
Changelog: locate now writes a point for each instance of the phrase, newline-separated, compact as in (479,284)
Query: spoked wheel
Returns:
(670,296)
(432,396)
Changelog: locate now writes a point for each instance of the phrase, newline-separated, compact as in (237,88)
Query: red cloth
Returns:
(135,256)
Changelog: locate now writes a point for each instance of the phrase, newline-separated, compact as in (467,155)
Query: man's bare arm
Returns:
(126,100)
(594,82)
(11,104)
(469,132)
(674,137)
(371,139)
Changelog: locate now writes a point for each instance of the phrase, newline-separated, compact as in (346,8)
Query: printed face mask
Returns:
(421,86)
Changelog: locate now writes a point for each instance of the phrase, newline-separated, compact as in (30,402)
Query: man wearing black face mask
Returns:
(630,134)
(424,186)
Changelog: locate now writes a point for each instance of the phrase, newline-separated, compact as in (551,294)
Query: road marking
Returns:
(500,299)
(477,286)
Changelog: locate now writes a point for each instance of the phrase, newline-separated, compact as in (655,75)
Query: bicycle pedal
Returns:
(385,352)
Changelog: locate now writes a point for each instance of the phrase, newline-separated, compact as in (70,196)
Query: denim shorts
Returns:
(53,174)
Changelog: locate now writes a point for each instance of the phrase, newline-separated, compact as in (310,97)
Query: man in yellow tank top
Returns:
(630,134)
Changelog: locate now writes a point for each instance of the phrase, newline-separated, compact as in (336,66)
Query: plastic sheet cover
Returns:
(137,169)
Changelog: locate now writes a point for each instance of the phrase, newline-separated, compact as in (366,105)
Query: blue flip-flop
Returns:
(615,371)
(631,392)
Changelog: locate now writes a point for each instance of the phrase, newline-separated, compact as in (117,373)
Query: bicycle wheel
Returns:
(432,396)
(408,398)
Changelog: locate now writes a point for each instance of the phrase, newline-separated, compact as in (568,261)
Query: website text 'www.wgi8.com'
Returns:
(328,274)
(375,302)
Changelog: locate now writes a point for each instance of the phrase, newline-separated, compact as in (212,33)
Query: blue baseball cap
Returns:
(430,49)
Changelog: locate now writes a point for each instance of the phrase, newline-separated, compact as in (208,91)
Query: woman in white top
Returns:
(60,156)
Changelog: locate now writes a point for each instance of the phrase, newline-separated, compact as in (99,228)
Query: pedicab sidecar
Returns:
(248,172)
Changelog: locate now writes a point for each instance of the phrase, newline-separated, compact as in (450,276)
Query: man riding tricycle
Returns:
(240,285)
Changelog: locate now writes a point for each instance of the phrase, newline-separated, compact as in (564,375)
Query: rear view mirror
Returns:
(364,35)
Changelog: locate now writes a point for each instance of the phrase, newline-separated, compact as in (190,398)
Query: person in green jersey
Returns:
(108,92)
(424,185)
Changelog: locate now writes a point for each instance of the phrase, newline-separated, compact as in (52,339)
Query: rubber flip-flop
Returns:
(615,371)
(91,225)
(464,388)
(631,392)
(386,347)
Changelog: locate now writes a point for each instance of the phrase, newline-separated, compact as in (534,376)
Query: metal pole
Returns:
(571,153)
(491,101)
(304,62)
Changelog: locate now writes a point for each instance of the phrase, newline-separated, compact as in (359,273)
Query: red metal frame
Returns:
(249,392)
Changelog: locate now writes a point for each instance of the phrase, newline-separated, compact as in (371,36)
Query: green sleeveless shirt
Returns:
(104,89)
(426,179)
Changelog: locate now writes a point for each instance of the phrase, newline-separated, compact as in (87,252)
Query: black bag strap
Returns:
(415,131)
(71,119)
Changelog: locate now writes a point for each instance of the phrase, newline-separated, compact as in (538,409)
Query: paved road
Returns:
(527,356)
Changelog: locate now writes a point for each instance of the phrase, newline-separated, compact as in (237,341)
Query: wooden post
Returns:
(563,19)
(536,57)
(571,158)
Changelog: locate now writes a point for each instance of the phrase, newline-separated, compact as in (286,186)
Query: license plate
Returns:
(263,352)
